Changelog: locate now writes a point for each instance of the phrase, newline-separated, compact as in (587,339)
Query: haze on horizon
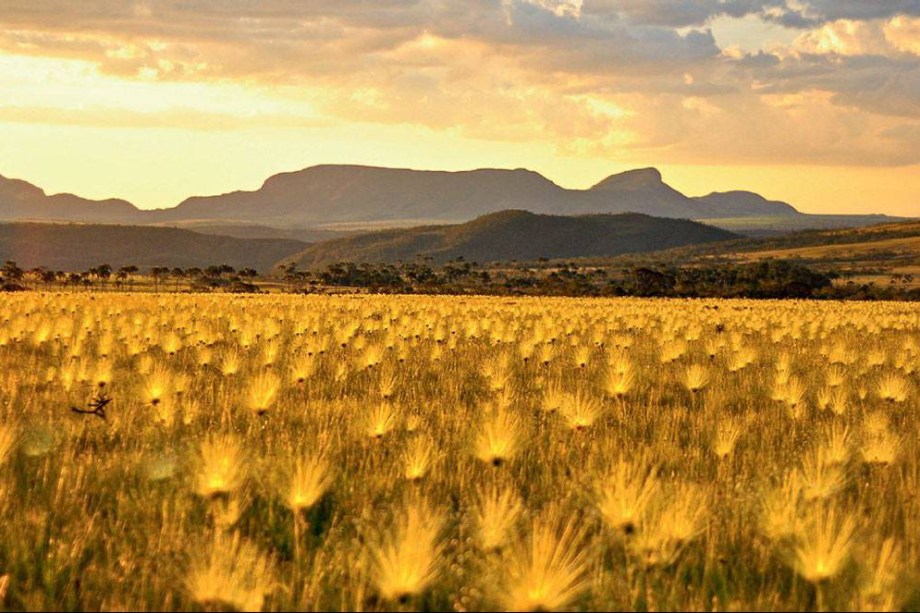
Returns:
(815,102)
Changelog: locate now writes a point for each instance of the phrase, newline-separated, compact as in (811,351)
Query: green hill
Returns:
(515,235)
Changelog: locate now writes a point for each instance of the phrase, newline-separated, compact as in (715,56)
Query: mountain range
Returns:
(335,194)
(330,213)
(329,194)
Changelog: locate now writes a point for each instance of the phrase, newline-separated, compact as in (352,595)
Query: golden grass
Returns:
(369,453)
(849,251)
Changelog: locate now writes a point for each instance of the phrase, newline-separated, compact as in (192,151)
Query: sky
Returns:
(816,102)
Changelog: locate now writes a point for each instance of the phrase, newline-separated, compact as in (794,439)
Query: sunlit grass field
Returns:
(460,454)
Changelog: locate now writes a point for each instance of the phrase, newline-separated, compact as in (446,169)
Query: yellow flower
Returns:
(824,544)
(549,569)
(231,572)
(221,467)
(405,559)
(309,480)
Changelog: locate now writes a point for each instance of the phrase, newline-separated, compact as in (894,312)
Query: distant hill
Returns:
(20,200)
(745,204)
(74,247)
(515,235)
(241,229)
(867,254)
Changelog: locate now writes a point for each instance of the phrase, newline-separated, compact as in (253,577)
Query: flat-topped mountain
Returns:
(330,194)
(514,235)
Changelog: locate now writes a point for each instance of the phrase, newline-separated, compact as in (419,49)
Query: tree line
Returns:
(105,276)
(764,279)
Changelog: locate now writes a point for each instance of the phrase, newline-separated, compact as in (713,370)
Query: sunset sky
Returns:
(816,102)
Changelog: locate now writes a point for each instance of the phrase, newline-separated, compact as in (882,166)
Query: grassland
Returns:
(881,254)
(166,452)
(772,226)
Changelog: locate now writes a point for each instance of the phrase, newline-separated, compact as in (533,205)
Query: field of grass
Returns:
(771,226)
(908,246)
(213,452)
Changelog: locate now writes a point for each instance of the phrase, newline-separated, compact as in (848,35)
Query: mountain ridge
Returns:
(325,199)
(514,235)
(20,200)
(337,193)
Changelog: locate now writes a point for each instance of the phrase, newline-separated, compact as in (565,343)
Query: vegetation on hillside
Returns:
(516,235)
(76,247)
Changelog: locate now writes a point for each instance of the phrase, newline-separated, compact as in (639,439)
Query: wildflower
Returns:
(548,570)
(263,391)
(625,493)
(893,388)
(696,378)
(406,558)
(231,572)
(381,420)
(309,480)
(417,458)
(580,411)
(221,467)
(498,439)
(496,514)
(824,544)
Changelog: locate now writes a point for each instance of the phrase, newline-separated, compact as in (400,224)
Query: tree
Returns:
(158,273)
(104,273)
(178,275)
(12,272)
(48,277)
(650,282)
(125,273)
(74,280)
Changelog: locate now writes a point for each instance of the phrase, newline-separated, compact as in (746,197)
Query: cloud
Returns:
(846,90)
(813,13)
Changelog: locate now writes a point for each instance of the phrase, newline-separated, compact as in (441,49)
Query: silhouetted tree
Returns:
(158,273)
(12,272)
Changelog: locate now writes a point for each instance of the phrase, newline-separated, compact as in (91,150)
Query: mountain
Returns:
(644,191)
(331,194)
(328,200)
(20,200)
(515,235)
(745,204)
(73,247)
(328,194)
